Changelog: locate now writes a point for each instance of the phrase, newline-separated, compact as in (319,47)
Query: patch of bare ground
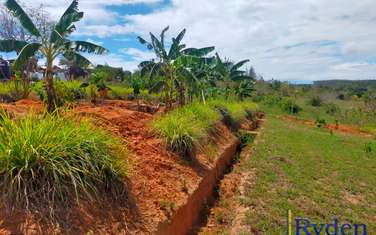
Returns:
(160,182)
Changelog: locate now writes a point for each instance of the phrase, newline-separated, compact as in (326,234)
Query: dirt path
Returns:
(347,129)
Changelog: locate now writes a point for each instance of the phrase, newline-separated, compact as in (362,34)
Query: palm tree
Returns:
(51,44)
(173,66)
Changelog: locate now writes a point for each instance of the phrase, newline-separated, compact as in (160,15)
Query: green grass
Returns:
(119,91)
(184,128)
(187,128)
(51,159)
(315,174)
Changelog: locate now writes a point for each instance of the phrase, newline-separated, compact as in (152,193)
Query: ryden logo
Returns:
(304,226)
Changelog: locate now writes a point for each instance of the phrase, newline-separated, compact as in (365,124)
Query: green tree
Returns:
(51,44)
(172,66)
(230,73)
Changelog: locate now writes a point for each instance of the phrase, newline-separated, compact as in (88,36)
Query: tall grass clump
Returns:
(50,159)
(233,112)
(186,128)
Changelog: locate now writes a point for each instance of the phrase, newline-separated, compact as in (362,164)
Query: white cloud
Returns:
(137,54)
(290,39)
(330,33)
(113,60)
(94,41)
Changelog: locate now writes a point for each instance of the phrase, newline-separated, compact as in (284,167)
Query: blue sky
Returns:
(296,40)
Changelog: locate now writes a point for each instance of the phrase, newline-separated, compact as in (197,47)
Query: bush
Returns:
(320,122)
(341,97)
(11,91)
(120,91)
(290,106)
(315,101)
(52,159)
(66,91)
(370,147)
(331,108)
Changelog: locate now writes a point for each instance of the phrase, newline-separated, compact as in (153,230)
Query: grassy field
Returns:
(312,172)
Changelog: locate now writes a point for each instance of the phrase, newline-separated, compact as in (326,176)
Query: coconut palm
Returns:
(51,44)
(172,65)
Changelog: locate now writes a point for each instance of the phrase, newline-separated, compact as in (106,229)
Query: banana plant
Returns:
(245,89)
(51,44)
(173,65)
(229,73)
(96,84)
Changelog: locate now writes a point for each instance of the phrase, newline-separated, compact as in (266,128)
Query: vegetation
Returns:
(187,128)
(53,159)
(315,174)
(50,44)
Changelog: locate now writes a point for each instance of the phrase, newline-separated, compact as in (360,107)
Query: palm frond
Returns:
(239,65)
(88,47)
(27,51)
(77,58)
(64,26)
(163,35)
(198,51)
(21,15)
(12,45)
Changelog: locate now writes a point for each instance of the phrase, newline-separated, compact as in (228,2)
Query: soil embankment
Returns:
(166,192)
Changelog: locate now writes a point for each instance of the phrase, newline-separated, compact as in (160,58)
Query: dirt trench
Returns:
(168,194)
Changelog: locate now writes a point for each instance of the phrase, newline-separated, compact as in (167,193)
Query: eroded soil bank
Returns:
(166,193)
(227,215)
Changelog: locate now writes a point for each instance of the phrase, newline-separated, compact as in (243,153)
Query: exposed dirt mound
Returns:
(22,107)
(334,127)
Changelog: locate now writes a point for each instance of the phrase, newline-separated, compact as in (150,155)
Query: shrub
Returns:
(341,97)
(11,91)
(52,159)
(370,147)
(290,106)
(315,101)
(120,91)
(320,122)
(66,91)
(331,108)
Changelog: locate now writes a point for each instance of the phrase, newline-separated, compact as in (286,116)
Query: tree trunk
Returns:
(181,95)
(50,89)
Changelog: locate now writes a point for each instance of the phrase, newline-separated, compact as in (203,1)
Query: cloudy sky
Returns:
(296,40)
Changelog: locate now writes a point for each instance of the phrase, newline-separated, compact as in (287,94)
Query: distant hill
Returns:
(340,84)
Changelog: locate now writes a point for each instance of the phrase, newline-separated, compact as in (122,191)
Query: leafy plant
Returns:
(244,89)
(315,101)
(320,122)
(51,44)
(289,106)
(172,65)
(96,84)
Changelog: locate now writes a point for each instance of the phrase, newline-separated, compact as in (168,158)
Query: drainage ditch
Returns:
(189,218)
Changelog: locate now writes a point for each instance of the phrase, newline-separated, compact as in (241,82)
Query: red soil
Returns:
(348,129)
(159,183)
(22,107)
